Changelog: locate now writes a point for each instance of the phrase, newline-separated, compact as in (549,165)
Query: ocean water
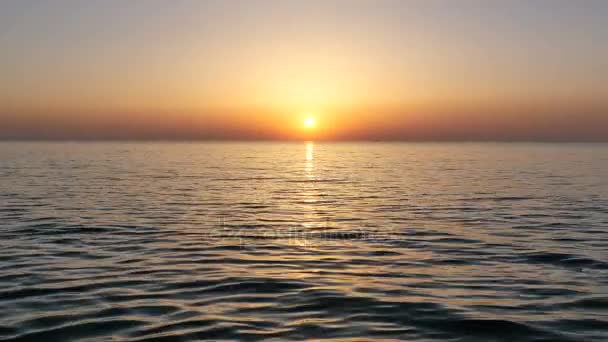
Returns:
(303,241)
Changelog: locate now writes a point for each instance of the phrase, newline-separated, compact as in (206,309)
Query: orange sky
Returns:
(386,70)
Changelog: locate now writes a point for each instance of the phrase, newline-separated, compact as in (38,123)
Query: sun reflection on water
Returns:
(309,154)
(309,193)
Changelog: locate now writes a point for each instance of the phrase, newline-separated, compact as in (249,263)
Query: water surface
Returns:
(295,241)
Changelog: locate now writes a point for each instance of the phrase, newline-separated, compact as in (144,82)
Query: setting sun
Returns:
(310,122)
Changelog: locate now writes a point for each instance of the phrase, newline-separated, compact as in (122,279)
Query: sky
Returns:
(255,69)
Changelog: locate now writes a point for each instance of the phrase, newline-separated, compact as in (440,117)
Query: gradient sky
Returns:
(398,70)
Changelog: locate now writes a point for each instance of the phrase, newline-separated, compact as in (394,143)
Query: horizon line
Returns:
(244,140)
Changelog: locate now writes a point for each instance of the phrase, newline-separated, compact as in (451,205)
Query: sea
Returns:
(294,241)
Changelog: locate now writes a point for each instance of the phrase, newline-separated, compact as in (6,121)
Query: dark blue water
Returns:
(296,241)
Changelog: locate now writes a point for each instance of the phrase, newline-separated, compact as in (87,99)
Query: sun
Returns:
(310,122)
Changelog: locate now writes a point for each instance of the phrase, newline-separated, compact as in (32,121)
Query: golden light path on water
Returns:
(310,196)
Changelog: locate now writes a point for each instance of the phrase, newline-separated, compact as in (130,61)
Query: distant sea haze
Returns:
(295,241)
(563,125)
